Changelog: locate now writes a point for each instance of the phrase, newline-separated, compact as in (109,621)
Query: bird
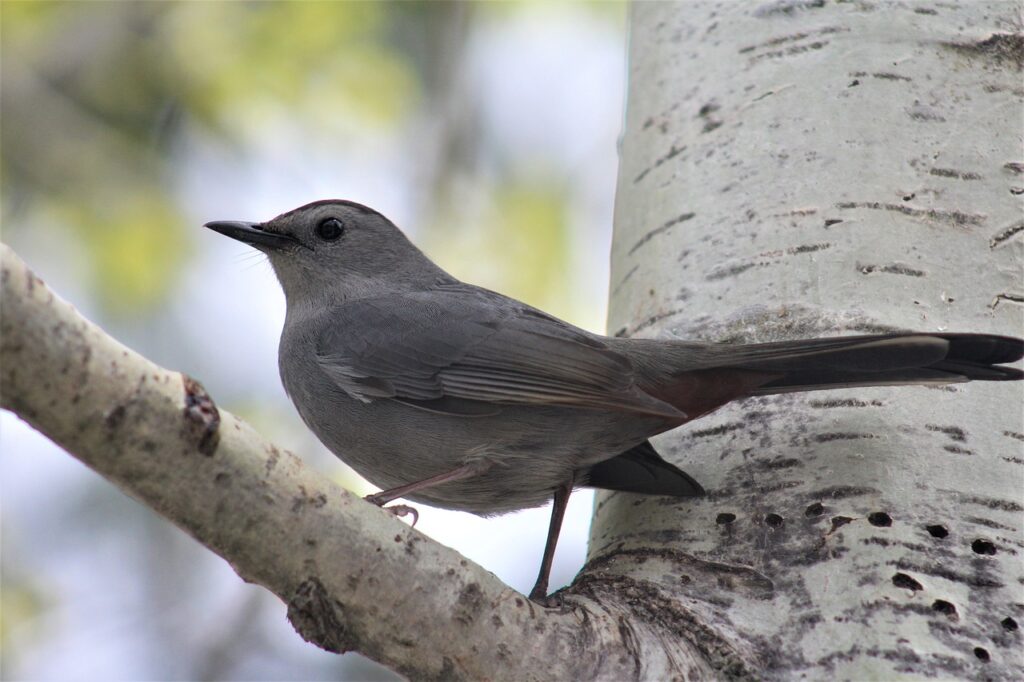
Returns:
(445,393)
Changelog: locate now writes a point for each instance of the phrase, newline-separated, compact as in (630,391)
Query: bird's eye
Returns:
(329,229)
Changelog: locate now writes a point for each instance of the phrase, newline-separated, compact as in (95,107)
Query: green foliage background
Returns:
(124,125)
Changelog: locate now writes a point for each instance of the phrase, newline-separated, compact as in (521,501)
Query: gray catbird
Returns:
(452,395)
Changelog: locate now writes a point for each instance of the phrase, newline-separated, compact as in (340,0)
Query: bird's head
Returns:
(335,250)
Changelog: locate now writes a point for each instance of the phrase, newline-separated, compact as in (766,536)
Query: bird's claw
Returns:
(398,510)
(401,510)
(548,601)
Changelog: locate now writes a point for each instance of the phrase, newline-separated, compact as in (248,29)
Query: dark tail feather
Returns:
(882,360)
(641,470)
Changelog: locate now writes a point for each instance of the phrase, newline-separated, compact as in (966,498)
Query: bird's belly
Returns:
(525,452)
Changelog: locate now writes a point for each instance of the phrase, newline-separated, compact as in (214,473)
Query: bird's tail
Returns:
(887,359)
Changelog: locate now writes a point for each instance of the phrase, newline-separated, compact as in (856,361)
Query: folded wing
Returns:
(463,350)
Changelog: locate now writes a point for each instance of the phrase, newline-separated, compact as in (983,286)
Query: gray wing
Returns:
(441,348)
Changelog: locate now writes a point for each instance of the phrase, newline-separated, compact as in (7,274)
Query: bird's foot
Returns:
(399,510)
(552,601)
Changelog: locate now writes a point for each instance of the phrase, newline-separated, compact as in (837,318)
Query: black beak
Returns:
(250,233)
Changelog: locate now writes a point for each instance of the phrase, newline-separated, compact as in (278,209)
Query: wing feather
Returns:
(461,342)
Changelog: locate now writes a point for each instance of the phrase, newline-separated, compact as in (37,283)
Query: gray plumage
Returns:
(406,373)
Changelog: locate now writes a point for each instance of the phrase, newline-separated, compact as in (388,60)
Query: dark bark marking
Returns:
(1000,48)
(891,269)
(758,583)
(659,230)
(712,124)
(849,402)
(790,51)
(808,248)
(115,417)
(954,432)
(956,218)
(792,38)
(300,501)
(469,604)
(779,463)
(272,459)
(316,619)
(1005,296)
(673,152)
(726,272)
(630,644)
(991,503)
(841,492)
(654,319)
(723,272)
(788,7)
(202,417)
(938,571)
(838,522)
(1006,234)
(953,173)
(783,485)
(716,430)
(920,112)
(625,279)
(829,437)
(988,523)
(890,76)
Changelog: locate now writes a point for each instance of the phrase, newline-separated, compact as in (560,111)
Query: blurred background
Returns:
(486,131)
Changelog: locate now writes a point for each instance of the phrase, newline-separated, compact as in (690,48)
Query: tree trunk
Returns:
(805,168)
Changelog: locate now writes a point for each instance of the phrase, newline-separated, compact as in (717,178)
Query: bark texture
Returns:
(808,168)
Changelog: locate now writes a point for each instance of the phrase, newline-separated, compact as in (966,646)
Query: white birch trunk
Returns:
(805,168)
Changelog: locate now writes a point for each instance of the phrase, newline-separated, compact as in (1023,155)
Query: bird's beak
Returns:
(250,233)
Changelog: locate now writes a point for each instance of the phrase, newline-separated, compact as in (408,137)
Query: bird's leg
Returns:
(539,593)
(385,496)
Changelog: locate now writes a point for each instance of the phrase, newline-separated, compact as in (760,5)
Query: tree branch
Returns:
(353,577)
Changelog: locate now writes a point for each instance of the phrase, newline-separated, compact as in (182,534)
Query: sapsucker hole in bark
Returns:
(816,509)
(981,653)
(880,519)
(981,546)
(1009,624)
(937,530)
(905,581)
(840,521)
(725,518)
(773,520)
(945,608)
